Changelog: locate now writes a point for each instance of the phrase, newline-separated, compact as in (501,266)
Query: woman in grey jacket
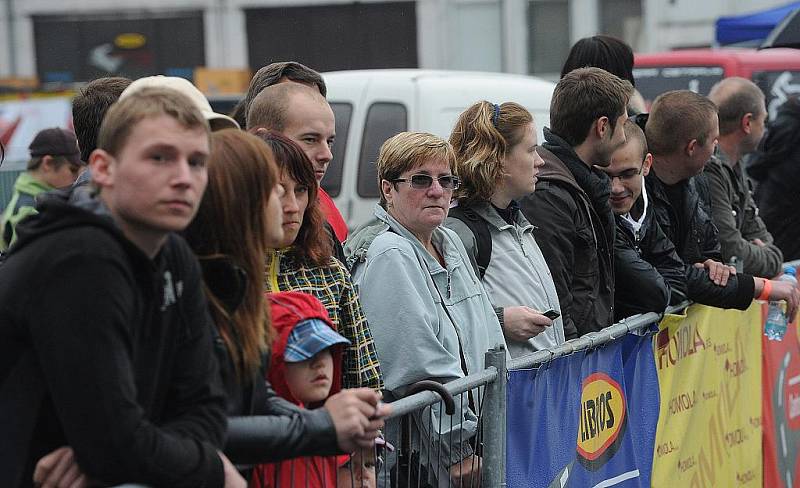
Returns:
(430,317)
(495,148)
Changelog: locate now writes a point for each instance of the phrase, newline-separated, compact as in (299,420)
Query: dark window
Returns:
(335,37)
(383,121)
(653,81)
(82,48)
(332,182)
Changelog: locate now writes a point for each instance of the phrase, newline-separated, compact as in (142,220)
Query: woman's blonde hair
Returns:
(482,137)
(408,150)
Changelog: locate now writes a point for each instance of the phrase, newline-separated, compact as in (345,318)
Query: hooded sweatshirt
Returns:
(21,205)
(110,353)
(288,309)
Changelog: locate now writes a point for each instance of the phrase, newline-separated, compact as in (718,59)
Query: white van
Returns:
(373,105)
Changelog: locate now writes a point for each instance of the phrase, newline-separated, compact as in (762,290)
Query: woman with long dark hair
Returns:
(302,261)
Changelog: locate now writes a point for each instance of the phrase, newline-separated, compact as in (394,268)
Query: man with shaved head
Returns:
(742,233)
(301,113)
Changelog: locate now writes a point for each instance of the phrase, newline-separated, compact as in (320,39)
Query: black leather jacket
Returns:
(263,427)
(659,262)
(699,241)
(575,231)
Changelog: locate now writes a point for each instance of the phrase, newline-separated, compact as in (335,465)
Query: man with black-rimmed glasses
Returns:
(642,251)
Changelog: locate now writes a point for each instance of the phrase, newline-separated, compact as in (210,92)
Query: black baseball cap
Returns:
(56,142)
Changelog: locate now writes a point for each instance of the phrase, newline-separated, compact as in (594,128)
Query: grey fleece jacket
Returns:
(517,273)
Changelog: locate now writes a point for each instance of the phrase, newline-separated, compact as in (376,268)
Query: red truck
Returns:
(775,71)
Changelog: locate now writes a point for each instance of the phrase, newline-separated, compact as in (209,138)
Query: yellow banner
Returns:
(709,372)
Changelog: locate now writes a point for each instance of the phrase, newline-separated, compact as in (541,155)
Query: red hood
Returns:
(287,309)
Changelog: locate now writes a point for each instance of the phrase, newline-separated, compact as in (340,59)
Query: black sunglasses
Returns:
(422,181)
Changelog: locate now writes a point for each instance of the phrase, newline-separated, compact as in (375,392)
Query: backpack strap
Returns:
(480,229)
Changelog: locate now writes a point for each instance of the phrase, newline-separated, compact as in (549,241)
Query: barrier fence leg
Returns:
(493,470)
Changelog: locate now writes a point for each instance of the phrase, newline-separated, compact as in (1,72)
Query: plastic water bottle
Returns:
(775,327)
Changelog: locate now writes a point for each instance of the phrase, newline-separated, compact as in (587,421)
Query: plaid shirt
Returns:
(332,286)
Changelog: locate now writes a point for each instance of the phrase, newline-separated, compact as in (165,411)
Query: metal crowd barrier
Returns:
(404,469)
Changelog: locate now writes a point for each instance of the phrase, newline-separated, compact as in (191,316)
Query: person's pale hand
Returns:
(232,477)
(783,290)
(522,323)
(357,417)
(717,272)
(59,469)
(759,242)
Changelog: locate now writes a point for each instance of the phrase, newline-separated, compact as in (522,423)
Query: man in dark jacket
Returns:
(644,255)
(777,171)
(105,340)
(681,131)
(575,225)
(742,233)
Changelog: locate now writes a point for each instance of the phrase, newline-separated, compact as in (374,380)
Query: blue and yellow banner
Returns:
(586,420)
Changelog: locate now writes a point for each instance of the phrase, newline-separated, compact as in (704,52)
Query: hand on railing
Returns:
(357,416)
(466,473)
(522,323)
(717,272)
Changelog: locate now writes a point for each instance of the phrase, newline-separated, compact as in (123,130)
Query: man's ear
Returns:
(647,164)
(601,126)
(258,131)
(745,123)
(48,164)
(690,147)
(102,167)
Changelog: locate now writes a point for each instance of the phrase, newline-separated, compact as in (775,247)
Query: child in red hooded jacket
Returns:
(305,368)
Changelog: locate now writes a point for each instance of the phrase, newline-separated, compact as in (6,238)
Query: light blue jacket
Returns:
(404,291)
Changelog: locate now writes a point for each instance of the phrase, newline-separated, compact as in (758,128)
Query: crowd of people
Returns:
(181,303)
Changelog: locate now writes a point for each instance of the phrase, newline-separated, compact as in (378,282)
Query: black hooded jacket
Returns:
(687,223)
(576,232)
(777,172)
(107,351)
(660,262)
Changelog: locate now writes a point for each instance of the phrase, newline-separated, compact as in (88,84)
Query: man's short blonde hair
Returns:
(123,116)
(409,150)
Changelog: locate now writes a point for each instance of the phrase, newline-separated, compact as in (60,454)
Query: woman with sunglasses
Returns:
(429,314)
(495,148)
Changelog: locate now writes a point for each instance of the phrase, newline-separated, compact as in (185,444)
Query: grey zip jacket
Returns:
(517,273)
(403,291)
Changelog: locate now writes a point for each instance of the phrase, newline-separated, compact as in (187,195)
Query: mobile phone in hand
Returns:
(552,314)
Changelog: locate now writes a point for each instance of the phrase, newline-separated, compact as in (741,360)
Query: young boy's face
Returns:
(156,182)
(310,380)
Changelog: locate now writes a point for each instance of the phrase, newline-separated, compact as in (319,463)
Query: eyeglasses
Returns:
(422,181)
(628,174)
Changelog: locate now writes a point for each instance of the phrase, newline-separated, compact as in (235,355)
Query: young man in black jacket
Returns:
(682,131)
(575,225)
(105,341)
(639,234)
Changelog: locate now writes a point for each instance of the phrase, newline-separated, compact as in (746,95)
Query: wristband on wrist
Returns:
(765,292)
